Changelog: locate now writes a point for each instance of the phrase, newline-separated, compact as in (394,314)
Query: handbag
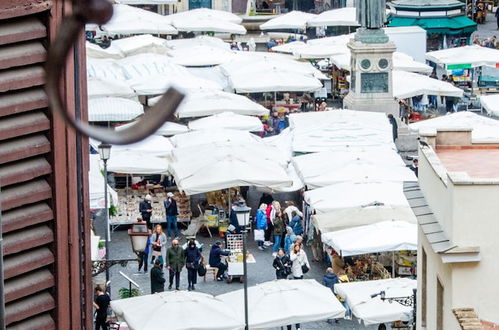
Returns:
(201,270)
(189,265)
(304,268)
(259,234)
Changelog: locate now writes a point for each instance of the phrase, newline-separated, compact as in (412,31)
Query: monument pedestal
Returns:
(371,73)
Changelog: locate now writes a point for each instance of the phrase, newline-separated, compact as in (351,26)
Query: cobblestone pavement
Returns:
(488,29)
(262,271)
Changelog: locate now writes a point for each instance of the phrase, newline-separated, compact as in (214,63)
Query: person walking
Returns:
(158,244)
(394,124)
(290,207)
(329,280)
(497,17)
(145,209)
(171,215)
(175,262)
(299,259)
(282,265)
(289,240)
(157,278)
(144,256)
(192,261)
(261,226)
(101,304)
(278,231)
(337,263)
(215,260)
(296,223)
(270,225)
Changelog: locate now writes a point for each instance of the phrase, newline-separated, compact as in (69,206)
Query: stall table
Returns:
(235,260)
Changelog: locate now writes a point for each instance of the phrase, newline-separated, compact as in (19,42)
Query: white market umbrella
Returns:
(206,13)
(113,109)
(153,145)
(351,194)
(319,51)
(490,103)
(289,48)
(374,310)
(96,185)
(200,56)
(294,20)
(158,84)
(212,102)
(196,138)
(316,302)
(227,120)
(341,39)
(145,43)
(465,57)
(198,41)
(336,17)
(148,64)
(133,162)
(132,20)
(409,84)
(379,237)
(212,73)
(105,69)
(180,310)
(484,129)
(207,25)
(167,129)
(96,51)
(108,88)
(274,80)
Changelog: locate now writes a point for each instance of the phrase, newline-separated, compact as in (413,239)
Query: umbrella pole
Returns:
(275,98)
(393,264)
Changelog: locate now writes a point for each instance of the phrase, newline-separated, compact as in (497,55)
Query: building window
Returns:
(440,305)
(423,288)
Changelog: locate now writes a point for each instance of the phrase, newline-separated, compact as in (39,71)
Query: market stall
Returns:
(113,109)
(227,120)
(421,85)
(182,310)
(491,104)
(373,310)
(167,129)
(294,20)
(235,267)
(314,302)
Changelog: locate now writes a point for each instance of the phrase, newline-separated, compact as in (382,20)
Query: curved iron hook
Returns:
(99,12)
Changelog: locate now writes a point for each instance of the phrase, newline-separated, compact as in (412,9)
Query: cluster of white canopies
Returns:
(307,301)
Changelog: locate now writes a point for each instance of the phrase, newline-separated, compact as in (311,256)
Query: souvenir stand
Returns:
(235,259)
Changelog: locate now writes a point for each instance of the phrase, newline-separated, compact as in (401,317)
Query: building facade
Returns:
(456,206)
(45,268)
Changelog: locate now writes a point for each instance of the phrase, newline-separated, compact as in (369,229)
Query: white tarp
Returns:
(336,17)
(145,43)
(353,194)
(154,145)
(105,69)
(96,186)
(200,56)
(158,84)
(319,51)
(274,80)
(379,237)
(316,303)
(148,64)
(341,40)
(484,129)
(374,310)
(113,109)
(472,55)
(409,84)
(326,130)
(132,20)
(491,104)
(212,73)
(183,310)
(130,162)
(212,102)
(197,138)
(109,88)
(167,129)
(206,13)
(294,20)
(96,51)
(197,41)
(207,25)
(227,120)
(401,62)
(289,48)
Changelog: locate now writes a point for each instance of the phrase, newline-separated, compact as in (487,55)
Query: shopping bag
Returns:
(259,234)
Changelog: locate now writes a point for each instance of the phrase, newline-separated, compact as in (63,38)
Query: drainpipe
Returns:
(2,289)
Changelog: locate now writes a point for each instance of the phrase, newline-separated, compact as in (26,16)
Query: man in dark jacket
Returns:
(175,262)
(216,259)
(157,279)
(101,304)
(395,129)
(145,209)
(171,214)
(330,279)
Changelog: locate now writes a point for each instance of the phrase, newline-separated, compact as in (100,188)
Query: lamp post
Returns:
(409,301)
(105,153)
(139,234)
(243,215)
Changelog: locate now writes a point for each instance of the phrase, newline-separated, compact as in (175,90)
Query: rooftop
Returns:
(476,161)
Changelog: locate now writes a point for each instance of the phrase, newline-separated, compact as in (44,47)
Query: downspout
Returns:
(2,289)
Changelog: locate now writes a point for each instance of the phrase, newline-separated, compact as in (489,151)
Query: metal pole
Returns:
(246,322)
(106,214)
(393,264)
(414,311)
(2,290)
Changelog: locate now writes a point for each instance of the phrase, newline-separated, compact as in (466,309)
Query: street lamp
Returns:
(409,301)
(105,154)
(139,234)
(243,216)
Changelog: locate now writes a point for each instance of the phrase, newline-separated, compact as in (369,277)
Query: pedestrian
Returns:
(175,262)
(497,17)
(157,277)
(233,219)
(296,223)
(261,226)
(270,225)
(279,229)
(393,122)
(317,246)
(290,207)
(289,239)
(192,261)
(101,304)
(171,215)
(158,243)
(337,263)
(145,209)
(144,255)
(300,261)
(415,166)
(282,265)
(215,260)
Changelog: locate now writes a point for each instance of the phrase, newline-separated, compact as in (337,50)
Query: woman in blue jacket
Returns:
(261,225)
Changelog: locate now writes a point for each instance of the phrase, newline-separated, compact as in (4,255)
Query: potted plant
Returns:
(127,293)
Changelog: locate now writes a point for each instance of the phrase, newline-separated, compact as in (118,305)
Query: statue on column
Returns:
(371,14)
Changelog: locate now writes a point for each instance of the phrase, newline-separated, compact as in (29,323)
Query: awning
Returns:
(437,25)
